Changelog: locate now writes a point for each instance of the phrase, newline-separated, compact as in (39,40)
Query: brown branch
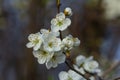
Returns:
(112,67)
(72,68)
(60,35)
(58,5)
(94,74)
(117,78)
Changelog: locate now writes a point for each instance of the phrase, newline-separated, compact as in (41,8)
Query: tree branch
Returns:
(58,5)
(72,68)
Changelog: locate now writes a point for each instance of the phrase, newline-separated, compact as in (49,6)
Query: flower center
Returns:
(59,23)
(50,44)
(36,41)
(69,78)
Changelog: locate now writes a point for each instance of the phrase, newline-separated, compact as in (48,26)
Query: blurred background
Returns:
(95,22)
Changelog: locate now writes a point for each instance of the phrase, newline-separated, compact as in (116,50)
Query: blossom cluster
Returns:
(50,49)
(47,46)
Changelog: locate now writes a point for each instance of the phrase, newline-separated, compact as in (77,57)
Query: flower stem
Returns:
(58,5)
(58,11)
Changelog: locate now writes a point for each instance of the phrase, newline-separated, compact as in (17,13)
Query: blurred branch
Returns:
(109,70)
(117,78)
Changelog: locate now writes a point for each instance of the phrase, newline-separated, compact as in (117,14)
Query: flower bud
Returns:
(68,11)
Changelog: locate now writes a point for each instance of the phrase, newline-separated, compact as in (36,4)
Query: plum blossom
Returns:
(35,41)
(92,66)
(42,56)
(60,22)
(56,59)
(87,64)
(70,75)
(69,42)
(52,43)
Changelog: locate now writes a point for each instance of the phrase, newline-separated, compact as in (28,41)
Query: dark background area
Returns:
(98,30)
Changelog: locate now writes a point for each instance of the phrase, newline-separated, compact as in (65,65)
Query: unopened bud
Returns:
(68,11)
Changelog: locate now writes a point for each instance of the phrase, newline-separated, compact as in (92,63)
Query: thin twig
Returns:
(117,78)
(58,10)
(94,74)
(112,67)
(71,67)
(60,35)
(58,5)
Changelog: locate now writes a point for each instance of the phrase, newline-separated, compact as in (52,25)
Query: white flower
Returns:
(42,56)
(69,42)
(35,41)
(51,43)
(56,59)
(60,22)
(70,75)
(68,11)
(80,60)
(88,64)
(91,66)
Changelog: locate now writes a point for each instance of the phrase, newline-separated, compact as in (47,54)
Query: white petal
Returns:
(67,22)
(41,60)
(56,44)
(54,28)
(48,64)
(80,59)
(56,33)
(54,64)
(31,37)
(54,21)
(63,75)
(76,42)
(37,46)
(44,31)
(65,25)
(60,16)
(74,75)
(36,54)
(91,66)
(29,45)
(61,58)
